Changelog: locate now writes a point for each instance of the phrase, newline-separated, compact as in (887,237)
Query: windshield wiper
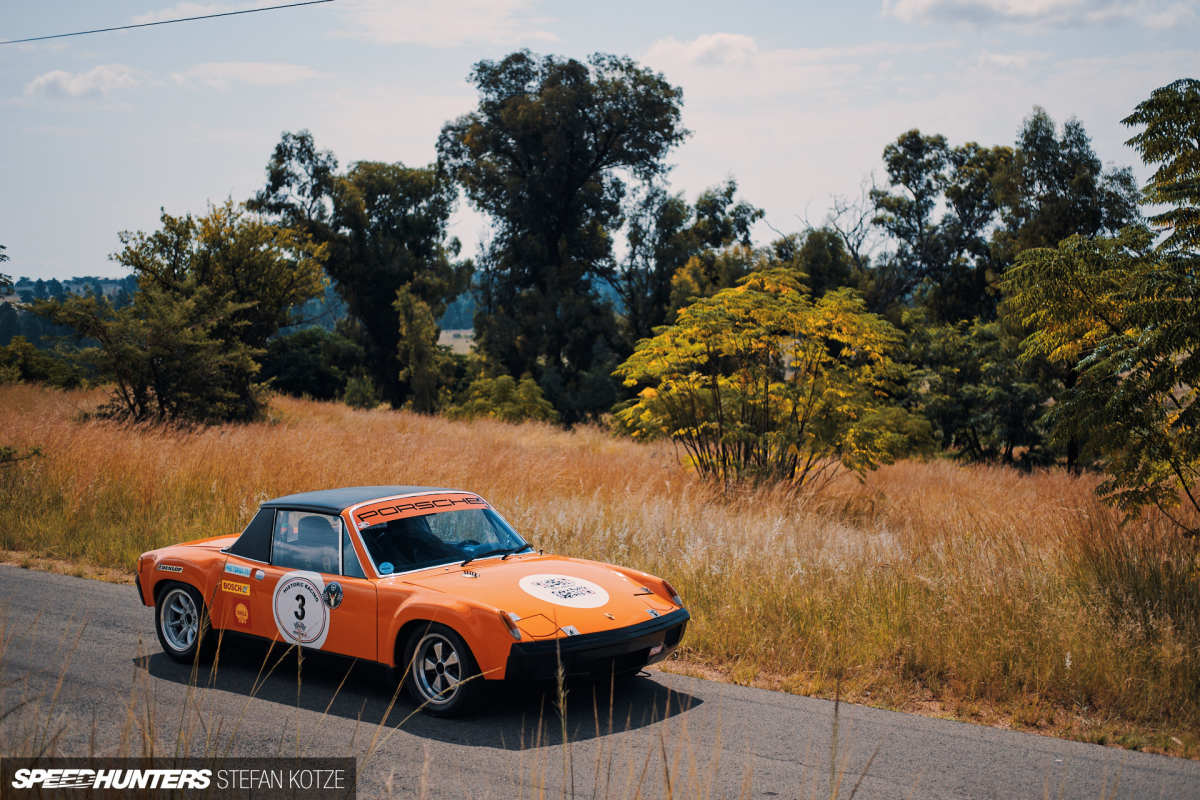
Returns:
(516,550)
(505,552)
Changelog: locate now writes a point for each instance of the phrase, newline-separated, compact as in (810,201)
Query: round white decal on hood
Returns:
(564,590)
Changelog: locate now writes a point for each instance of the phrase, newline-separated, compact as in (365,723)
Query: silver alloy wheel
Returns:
(180,620)
(437,669)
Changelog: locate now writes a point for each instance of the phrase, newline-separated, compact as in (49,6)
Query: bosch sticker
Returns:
(301,616)
(233,587)
(564,590)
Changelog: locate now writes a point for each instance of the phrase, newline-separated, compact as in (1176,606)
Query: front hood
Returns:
(549,593)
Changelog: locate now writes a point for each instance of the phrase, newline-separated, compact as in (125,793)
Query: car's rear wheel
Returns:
(181,621)
(442,677)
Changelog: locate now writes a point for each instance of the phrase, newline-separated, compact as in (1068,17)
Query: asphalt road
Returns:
(666,735)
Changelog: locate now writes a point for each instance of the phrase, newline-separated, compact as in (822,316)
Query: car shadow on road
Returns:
(512,716)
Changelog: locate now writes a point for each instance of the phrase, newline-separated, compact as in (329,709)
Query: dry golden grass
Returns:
(974,591)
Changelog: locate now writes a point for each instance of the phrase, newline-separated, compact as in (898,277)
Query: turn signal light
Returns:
(510,621)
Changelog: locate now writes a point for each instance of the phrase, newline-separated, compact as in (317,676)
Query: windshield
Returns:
(412,543)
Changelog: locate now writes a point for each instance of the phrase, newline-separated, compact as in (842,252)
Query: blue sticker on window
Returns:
(386,568)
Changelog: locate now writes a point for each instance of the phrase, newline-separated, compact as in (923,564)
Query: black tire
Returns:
(182,624)
(440,673)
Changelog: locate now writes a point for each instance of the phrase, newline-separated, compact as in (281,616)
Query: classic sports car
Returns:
(431,582)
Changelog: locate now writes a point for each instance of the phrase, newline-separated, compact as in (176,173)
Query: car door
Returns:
(313,592)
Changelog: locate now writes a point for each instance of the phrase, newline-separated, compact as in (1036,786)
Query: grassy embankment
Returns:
(972,592)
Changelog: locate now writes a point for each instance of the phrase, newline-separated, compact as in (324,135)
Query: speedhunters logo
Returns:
(259,778)
(67,778)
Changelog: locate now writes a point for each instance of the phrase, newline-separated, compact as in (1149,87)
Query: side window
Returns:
(304,540)
(350,566)
(255,541)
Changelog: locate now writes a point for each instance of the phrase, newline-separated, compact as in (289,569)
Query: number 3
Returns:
(300,612)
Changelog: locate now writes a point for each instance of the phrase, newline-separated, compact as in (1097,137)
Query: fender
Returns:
(155,567)
(651,582)
(477,624)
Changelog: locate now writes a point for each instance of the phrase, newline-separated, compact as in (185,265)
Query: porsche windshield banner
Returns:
(258,778)
(426,504)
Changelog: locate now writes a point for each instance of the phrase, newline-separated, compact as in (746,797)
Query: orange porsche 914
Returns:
(431,582)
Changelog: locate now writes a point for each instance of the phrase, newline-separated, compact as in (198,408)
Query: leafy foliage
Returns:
(542,155)
(311,362)
(1054,186)
(504,398)
(942,262)
(710,271)
(1126,319)
(760,381)
(1171,139)
(418,351)
(211,291)
(967,379)
(21,361)
(5,280)
(361,392)
(664,234)
(385,227)
(167,354)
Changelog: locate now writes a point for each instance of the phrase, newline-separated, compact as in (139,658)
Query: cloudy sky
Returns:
(795,100)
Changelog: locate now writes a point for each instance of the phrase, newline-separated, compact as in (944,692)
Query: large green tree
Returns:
(385,226)
(1055,186)
(543,154)
(390,223)
(211,292)
(1120,315)
(938,211)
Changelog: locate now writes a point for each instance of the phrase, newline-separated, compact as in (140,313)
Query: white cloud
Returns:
(223,74)
(1149,13)
(97,81)
(1010,61)
(733,66)
(445,24)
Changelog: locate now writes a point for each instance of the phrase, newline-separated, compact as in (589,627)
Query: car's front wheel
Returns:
(441,674)
(181,621)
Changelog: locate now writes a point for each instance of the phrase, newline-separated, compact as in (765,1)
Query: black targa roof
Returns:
(334,501)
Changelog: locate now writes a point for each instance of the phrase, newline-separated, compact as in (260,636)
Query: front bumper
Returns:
(598,654)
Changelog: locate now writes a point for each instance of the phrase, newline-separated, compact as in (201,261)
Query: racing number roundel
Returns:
(564,590)
(301,616)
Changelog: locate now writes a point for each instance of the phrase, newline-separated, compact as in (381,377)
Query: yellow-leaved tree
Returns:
(761,381)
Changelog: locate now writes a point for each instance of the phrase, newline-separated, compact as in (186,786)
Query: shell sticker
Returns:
(564,590)
(301,616)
